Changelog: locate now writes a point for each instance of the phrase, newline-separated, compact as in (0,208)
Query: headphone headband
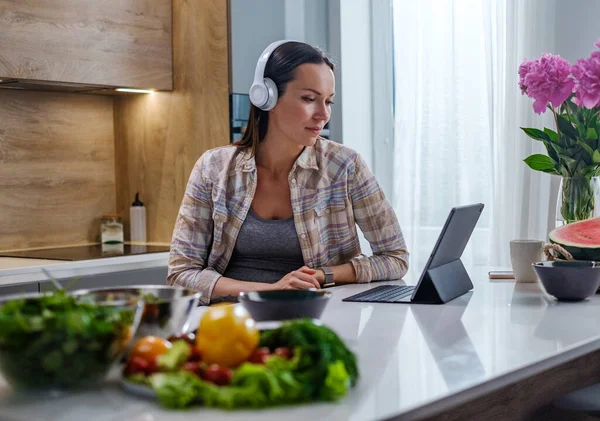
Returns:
(259,73)
(263,92)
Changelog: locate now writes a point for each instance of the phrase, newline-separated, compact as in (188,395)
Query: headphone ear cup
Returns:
(272,94)
(259,95)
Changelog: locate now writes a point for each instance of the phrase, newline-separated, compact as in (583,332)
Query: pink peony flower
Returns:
(587,80)
(524,68)
(547,81)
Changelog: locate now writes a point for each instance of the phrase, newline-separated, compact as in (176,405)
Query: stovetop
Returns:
(86,252)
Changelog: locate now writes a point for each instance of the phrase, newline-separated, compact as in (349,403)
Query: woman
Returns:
(278,210)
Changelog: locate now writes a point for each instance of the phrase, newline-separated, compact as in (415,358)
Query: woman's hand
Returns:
(303,278)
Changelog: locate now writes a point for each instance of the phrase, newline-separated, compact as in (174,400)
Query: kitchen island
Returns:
(486,355)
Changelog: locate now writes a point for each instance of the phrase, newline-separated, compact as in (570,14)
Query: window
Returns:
(456,115)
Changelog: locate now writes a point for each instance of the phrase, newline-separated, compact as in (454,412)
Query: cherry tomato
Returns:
(284,353)
(149,348)
(259,355)
(195,355)
(136,365)
(219,375)
(194,367)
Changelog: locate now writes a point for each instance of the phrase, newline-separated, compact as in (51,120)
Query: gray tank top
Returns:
(265,250)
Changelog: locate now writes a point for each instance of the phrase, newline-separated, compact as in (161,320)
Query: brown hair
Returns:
(280,68)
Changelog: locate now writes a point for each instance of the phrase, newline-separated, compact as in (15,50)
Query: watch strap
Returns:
(329,282)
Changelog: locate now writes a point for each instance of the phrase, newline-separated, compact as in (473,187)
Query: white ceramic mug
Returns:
(522,254)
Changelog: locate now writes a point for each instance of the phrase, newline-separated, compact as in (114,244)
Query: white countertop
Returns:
(414,360)
(23,270)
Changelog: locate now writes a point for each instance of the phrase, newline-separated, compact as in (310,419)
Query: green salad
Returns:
(320,367)
(58,341)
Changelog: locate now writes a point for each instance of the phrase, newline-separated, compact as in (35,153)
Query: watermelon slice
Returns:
(581,239)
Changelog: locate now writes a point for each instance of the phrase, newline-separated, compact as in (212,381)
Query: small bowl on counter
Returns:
(166,309)
(56,341)
(284,304)
(569,280)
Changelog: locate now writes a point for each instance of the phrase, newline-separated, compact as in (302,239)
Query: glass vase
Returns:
(578,199)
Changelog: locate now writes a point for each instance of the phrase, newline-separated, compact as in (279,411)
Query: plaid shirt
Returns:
(332,190)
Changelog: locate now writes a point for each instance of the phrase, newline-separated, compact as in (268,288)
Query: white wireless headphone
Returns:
(263,92)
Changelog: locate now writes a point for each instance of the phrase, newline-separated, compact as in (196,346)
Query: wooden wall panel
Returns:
(159,137)
(108,42)
(56,168)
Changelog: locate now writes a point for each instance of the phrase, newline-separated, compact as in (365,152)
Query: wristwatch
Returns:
(329,282)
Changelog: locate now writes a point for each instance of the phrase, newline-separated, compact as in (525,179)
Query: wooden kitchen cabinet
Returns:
(115,43)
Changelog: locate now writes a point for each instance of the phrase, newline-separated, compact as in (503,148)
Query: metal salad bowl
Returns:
(167,309)
(55,341)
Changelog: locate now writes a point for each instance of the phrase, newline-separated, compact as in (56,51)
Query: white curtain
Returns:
(458,110)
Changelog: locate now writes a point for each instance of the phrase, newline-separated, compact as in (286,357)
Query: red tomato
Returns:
(149,348)
(284,353)
(152,368)
(136,365)
(193,367)
(219,375)
(259,355)
(195,355)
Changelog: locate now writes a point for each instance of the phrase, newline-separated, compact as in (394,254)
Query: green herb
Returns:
(59,341)
(150,298)
(321,348)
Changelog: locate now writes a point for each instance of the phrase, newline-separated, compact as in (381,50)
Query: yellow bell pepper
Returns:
(226,335)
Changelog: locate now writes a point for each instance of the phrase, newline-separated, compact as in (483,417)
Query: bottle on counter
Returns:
(137,218)
(111,229)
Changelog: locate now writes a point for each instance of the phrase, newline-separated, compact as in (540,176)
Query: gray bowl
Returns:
(167,309)
(284,304)
(572,280)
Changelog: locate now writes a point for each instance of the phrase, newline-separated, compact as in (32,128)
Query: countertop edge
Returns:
(84,267)
(436,407)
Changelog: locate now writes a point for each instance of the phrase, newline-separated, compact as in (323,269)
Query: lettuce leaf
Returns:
(252,386)
(336,383)
(139,378)
(177,390)
(174,358)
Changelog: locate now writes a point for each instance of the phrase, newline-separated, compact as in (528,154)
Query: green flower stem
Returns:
(557,128)
(577,199)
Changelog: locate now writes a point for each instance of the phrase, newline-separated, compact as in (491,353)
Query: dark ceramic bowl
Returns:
(572,280)
(285,304)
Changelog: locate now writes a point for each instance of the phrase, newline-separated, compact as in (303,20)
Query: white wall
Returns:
(316,17)
(254,25)
(577,28)
(350,43)
(257,23)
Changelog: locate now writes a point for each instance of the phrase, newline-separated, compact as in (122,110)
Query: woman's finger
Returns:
(307,278)
(300,284)
(308,270)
